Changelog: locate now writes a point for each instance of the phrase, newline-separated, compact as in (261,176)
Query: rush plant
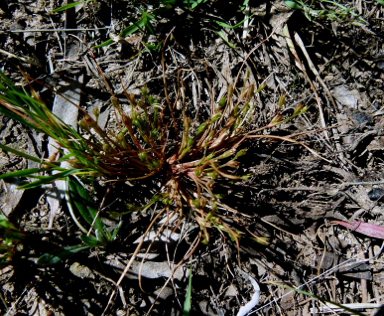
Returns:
(152,138)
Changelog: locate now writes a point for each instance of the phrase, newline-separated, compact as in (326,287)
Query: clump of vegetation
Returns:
(316,11)
(153,138)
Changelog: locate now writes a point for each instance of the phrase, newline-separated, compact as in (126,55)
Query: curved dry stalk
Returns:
(224,175)
(10,107)
(246,58)
(150,245)
(99,210)
(132,179)
(125,271)
(291,141)
(165,84)
(230,209)
(314,70)
(293,50)
(190,251)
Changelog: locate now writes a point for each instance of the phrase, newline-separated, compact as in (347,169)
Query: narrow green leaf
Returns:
(26,156)
(154,48)
(84,203)
(18,118)
(48,179)
(70,5)
(9,231)
(227,26)
(116,230)
(7,81)
(137,25)
(21,173)
(293,5)
(90,241)
(381,2)
(187,302)
(21,154)
(220,33)
(192,4)
(106,43)
(60,254)
(244,5)
(102,238)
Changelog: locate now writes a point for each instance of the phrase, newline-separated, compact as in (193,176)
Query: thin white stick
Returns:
(244,310)
(246,23)
(23,59)
(300,42)
(57,34)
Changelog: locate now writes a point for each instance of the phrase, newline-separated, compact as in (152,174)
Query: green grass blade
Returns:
(220,33)
(17,118)
(6,80)
(29,157)
(48,179)
(9,231)
(21,173)
(9,96)
(345,9)
(90,241)
(84,203)
(70,5)
(293,5)
(227,26)
(116,230)
(187,302)
(244,5)
(192,4)
(106,43)
(60,254)
(139,24)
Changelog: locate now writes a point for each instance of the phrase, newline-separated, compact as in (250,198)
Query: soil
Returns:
(292,201)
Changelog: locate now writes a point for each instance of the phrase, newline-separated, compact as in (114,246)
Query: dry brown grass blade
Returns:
(224,175)
(288,139)
(150,245)
(293,51)
(33,92)
(132,179)
(299,41)
(190,251)
(230,209)
(138,248)
(99,210)
(114,99)
(11,108)
(165,84)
